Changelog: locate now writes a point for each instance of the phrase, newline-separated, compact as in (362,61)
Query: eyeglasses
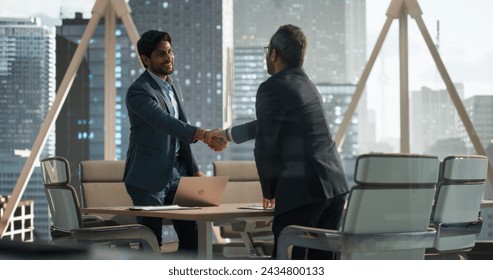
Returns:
(266,50)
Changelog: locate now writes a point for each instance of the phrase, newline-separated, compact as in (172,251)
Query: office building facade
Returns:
(478,108)
(73,122)
(27,89)
(89,121)
(335,31)
(336,99)
(434,122)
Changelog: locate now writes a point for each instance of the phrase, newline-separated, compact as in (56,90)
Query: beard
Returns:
(163,69)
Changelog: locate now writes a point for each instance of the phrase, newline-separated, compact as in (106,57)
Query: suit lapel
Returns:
(157,91)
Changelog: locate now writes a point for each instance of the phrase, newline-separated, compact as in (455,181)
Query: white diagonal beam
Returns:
(51,116)
(468,125)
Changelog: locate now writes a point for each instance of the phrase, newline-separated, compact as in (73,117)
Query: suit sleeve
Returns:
(270,110)
(143,104)
(244,132)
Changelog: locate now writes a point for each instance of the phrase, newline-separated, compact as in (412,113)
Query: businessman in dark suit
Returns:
(299,167)
(159,150)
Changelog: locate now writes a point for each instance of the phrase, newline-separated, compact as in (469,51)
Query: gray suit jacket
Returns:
(296,158)
(153,135)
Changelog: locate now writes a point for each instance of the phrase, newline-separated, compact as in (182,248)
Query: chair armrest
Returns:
(332,240)
(307,237)
(60,233)
(456,229)
(117,235)
(91,218)
(95,221)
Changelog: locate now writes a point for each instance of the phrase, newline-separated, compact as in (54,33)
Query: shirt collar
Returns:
(159,80)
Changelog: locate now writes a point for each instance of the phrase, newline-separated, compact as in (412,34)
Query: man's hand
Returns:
(217,144)
(218,133)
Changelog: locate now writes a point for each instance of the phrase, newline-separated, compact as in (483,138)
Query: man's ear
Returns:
(273,55)
(144,59)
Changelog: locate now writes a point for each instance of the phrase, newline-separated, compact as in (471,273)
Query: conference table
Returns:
(204,216)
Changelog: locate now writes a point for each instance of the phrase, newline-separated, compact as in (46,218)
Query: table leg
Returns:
(205,240)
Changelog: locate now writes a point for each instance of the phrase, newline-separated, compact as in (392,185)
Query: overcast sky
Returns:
(466,44)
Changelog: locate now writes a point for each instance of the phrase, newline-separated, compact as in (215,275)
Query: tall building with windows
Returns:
(336,33)
(336,99)
(478,108)
(27,88)
(72,124)
(202,40)
(85,104)
(434,120)
(249,71)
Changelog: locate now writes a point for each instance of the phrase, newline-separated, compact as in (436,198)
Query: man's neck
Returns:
(279,66)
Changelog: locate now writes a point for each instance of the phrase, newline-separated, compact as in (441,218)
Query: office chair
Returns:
(101,183)
(387,214)
(67,223)
(455,214)
(247,237)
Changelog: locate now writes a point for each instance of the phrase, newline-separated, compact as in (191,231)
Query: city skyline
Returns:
(465,51)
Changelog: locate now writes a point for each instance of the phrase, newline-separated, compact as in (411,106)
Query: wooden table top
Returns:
(210,213)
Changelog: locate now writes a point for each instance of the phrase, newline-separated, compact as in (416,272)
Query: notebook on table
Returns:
(161,207)
(200,191)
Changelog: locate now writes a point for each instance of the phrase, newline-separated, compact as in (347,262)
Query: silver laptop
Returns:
(200,191)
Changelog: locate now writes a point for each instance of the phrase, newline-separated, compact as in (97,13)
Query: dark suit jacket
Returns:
(296,158)
(153,135)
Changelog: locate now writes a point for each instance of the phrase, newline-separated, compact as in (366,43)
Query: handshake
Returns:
(216,139)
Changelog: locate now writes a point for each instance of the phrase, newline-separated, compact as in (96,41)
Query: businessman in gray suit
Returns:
(159,151)
(299,167)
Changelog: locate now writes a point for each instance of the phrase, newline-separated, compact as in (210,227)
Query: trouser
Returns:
(144,198)
(185,230)
(325,214)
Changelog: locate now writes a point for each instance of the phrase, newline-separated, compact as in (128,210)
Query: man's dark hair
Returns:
(290,43)
(149,41)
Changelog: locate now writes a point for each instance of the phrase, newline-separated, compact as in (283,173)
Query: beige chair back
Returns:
(243,185)
(102,186)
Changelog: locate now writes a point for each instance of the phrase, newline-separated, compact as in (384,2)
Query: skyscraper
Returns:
(433,117)
(92,129)
(27,88)
(336,99)
(335,30)
(478,108)
(249,71)
(73,122)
